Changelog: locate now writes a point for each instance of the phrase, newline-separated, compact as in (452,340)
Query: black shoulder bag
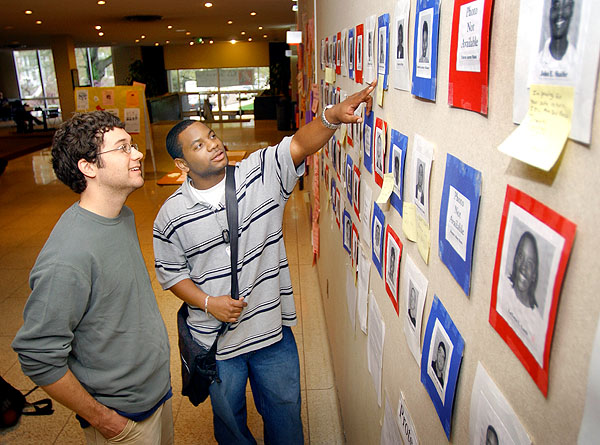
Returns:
(198,364)
(13,404)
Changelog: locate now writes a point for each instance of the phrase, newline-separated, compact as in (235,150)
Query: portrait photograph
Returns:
(368,125)
(414,294)
(343,51)
(492,420)
(379,151)
(370,44)
(380,142)
(323,56)
(355,245)
(356,190)
(348,178)
(383,27)
(393,254)
(382,50)
(398,147)
(423,54)
(377,238)
(347,232)
(359,49)
(400,45)
(351,52)
(421,170)
(443,347)
(338,207)
(531,258)
(358,54)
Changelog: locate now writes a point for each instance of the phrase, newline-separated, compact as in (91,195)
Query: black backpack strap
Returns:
(231,206)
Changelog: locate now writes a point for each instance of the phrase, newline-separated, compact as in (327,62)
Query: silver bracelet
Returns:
(206,304)
(326,123)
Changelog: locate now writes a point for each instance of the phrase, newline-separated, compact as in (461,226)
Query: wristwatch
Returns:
(326,123)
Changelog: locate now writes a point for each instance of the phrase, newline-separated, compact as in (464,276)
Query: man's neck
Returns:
(106,206)
(206,182)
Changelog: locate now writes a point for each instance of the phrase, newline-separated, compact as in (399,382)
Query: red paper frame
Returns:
(338,53)
(356,183)
(354,241)
(379,123)
(338,202)
(358,74)
(389,232)
(466,89)
(566,229)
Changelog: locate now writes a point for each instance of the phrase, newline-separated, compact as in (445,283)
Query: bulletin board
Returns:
(128,103)
(570,188)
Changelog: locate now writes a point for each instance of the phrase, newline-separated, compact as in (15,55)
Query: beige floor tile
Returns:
(324,424)
(8,357)
(12,315)
(11,280)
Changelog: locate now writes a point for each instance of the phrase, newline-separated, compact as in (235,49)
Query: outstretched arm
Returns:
(314,135)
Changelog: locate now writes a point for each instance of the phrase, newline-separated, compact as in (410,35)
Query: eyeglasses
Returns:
(126,148)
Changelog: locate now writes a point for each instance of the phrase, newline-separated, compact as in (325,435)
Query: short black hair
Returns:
(173,145)
(80,138)
(441,343)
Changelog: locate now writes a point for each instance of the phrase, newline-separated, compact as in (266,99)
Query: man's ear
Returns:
(89,169)
(182,165)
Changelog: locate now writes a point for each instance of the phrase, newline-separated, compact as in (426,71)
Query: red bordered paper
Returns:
(338,203)
(359,54)
(356,190)
(534,245)
(354,246)
(393,253)
(379,144)
(468,82)
(338,53)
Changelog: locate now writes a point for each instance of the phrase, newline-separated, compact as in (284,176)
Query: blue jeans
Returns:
(274,374)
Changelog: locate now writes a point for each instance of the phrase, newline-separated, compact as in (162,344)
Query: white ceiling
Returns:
(77,18)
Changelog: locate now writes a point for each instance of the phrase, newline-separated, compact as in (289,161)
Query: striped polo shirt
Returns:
(188,243)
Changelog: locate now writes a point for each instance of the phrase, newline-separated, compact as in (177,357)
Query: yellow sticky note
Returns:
(423,239)
(409,223)
(329,75)
(344,130)
(386,189)
(540,138)
(380,90)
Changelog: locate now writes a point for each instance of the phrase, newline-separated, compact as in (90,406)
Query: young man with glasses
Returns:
(93,337)
(192,260)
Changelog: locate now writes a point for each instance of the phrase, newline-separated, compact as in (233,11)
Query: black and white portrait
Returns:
(440,354)
(377,238)
(359,58)
(392,261)
(396,164)
(420,182)
(347,232)
(424,39)
(529,264)
(379,151)
(413,298)
(400,39)
(368,141)
(351,52)
(382,49)
(370,47)
(557,51)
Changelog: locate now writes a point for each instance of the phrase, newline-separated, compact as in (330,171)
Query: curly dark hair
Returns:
(80,138)
(173,145)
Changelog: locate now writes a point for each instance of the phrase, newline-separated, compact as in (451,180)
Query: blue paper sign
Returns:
(349,164)
(368,141)
(377,235)
(347,230)
(425,49)
(350,58)
(458,219)
(383,46)
(398,147)
(440,361)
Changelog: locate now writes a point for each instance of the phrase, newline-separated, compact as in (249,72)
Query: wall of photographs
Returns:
(457,250)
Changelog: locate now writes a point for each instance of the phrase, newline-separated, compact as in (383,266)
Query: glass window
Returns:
(95,67)
(36,77)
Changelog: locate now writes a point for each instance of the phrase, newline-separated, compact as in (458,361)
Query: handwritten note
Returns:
(329,75)
(540,138)
(423,238)
(409,221)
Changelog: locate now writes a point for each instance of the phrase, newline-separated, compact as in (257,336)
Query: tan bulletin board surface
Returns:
(571,188)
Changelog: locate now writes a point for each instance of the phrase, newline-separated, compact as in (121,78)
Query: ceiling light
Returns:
(28,12)
(142,36)
(265,36)
(170,27)
(233,41)
(188,33)
(229,22)
(253,13)
(137,40)
(260,27)
(243,33)
(100,33)
(167,41)
(249,39)
(191,43)
(211,41)
(295,7)
(101,2)
(208,4)
(38,22)
(155,43)
(98,27)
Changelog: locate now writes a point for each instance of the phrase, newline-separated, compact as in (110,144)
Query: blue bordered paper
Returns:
(349,164)
(333,195)
(377,238)
(383,33)
(424,75)
(368,141)
(440,327)
(350,58)
(458,219)
(398,147)
(347,232)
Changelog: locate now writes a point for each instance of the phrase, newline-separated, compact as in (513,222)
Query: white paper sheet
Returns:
(370,36)
(390,434)
(590,427)
(421,171)
(405,423)
(492,415)
(399,51)
(416,282)
(375,339)
(351,296)
(366,205)
(364,269)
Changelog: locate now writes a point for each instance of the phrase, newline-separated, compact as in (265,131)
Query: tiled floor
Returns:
(28,213)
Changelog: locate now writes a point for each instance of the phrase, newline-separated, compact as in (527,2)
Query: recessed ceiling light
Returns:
(208,4)
(233,41)
(101,2)
(253,13)
(38,22)
(155,43)
(249,39)
(142,36)
(260,27)
(265,36)
(98,27)
(167,41)
(295,7)
(229,22)
(211,41)
(28,12)
(188,33)
(137,40)
(170,27)
(100,33)
(243,33)
(191,43)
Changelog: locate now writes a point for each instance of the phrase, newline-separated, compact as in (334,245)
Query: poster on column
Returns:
(534,245)
(424,78)
(377,234)
(398,147)
(383,32)
(458,219)
(370,67)
(399,49)
(440,362)
(359,54)
(558,43)
(469,49)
